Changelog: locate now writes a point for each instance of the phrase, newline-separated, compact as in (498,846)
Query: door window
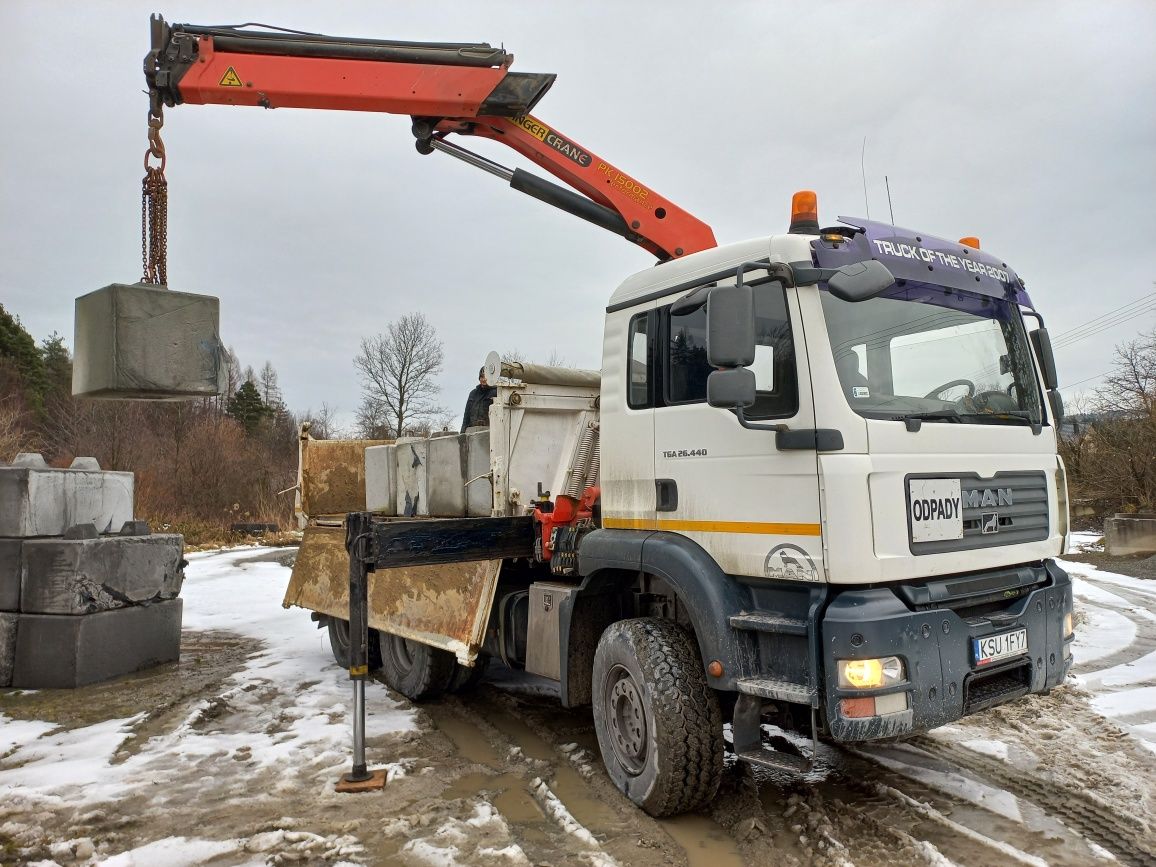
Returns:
(776,384)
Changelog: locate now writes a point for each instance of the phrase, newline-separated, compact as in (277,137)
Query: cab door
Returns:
(753,507)
(627,420)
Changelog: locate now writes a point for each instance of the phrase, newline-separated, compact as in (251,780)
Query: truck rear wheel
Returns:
(339,643)
(414,669)
(659,725)
(466,679)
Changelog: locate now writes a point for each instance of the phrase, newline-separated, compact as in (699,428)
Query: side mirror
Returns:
(730,327)
(1057,404)
(860,281)
(731,389)
(1042,344)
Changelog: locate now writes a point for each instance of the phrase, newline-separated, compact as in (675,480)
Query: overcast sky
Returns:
(1030,125)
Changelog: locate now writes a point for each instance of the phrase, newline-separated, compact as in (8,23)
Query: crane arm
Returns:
(448,89)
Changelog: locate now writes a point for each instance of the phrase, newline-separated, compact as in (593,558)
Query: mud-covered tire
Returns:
(659,725)
(414,669)
(466,679)
(339,643)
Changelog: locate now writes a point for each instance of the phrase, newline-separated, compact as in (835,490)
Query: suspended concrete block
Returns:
(149,343)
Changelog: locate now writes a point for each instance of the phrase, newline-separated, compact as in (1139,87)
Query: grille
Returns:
(1025,520)
(989,689)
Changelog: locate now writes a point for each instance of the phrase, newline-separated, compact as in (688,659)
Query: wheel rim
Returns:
(626,720)
(402,652)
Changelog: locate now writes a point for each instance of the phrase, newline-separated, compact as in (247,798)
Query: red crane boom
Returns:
(448,89)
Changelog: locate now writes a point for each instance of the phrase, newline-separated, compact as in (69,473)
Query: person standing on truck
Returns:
(477,412)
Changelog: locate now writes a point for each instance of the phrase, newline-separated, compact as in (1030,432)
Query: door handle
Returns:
(666,495)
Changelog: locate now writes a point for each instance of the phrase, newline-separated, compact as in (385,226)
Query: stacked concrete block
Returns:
(79,604)
(446,476)
(412,497)
(381,480)
(38,500)
(479,486)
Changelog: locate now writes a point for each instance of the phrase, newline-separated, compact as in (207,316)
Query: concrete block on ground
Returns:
(62,652)
(8,623)
(82,576)
(10,574)
(412,497)
(1130,534)
(446,474)
(479,493)
(42,501)
(381,480)
(138,341)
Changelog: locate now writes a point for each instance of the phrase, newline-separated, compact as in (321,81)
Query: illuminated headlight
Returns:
(1068,626)
(870,673)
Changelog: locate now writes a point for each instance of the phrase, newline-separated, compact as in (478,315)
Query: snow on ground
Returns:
(290,694)
(1115,646)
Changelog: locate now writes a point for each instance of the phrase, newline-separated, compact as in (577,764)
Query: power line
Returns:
(1137,307)
(1109,313)
(1104,326)
(1088,379)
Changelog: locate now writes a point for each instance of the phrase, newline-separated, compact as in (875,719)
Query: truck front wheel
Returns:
(414,669)
(659,725)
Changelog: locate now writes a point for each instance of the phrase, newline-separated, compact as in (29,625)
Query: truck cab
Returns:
(871,537)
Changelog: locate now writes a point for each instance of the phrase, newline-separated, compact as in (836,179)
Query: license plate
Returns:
(934,509)
(993,648)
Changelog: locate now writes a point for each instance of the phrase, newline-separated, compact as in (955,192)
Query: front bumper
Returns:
(942,682)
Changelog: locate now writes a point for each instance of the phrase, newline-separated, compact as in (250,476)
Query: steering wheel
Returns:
(995,401)
(935,392)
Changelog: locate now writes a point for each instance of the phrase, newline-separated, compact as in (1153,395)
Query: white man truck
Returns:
(814,481)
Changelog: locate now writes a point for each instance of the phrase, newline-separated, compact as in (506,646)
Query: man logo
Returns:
(790,563)
(986,497)
(989,521)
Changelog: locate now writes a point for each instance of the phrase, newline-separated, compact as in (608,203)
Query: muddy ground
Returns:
(505,776)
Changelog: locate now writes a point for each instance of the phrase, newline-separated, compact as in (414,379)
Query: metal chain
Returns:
(154,210)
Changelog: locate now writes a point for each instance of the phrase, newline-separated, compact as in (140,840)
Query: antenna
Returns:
(887,181)
(863,172)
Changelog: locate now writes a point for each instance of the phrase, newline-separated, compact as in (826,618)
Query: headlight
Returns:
(1068,627)
(870,673)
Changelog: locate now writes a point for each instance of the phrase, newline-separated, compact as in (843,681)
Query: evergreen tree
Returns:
(57,364)
(247,407)
(20,349)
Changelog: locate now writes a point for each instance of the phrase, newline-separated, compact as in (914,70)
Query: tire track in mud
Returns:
(1129,840)
(546,732)
(865,798)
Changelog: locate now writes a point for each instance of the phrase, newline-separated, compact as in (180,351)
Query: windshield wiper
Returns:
(915,420)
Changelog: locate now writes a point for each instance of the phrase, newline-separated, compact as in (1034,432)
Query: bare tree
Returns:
(14,436)
(1131,387)
(399,378)
(1111,451)
(323,423)
(270,390)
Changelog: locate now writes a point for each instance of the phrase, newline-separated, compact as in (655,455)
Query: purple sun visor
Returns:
(923,258)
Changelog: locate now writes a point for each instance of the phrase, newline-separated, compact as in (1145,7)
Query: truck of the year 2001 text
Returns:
(815,481)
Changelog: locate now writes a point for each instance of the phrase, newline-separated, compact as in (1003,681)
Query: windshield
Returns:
(935,353)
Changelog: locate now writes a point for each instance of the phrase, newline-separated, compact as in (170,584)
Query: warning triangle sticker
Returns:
(230,79)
